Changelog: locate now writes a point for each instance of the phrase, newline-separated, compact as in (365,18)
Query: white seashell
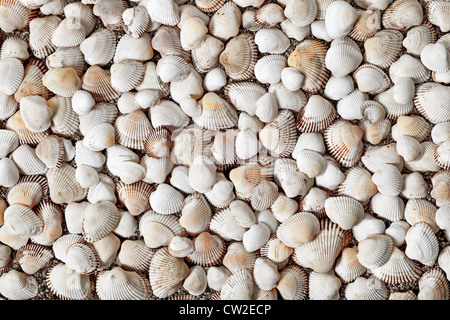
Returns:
(402,15)
(408,66)
(319,30)
(301,13)
(421,210)
(293,283)
(196,281)
(433,285)
(371,79)
(427,161)
(366,289)
(216,277)
(16,285)
(346,105)
(214,80)
(422,244)
(136,20)
(104,190)
(383,48)
(167,12)
(368,227)
(388,180)
(324,286)
(268,68)
(13,70)
(269,15)
(435,57)
(345,211)
(221,194)
(272,41)
(338,88)
(339,19)
(256,237)
(225,22)
(397,231)
(166,199)
(99,48)
(430,100)
(238,286)
(298,229)
(292,78)
(295,32)
(437,14)
(343,56)
(440,187)
(265,273)
(289,177)
(347,265)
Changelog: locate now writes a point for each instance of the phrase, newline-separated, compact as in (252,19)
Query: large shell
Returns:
(17,285)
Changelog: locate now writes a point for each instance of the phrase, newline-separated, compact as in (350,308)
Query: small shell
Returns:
(343,57)
(97,82)
(408,66)
(375,251)
(324,286)
(338,87)
(283,207)
(166,41)
(374,133)
(383,48)
(27,161)
(265,273)
(345,211)
(14,71)
(256,237)
(298,229)
(435,57)
(430,100)
(314,201)
(15,47)
(216,277)
(293,283)
(398,269)
(433,285)
(378,155)
(166,12)
(339,19)
(166,199)
(33,258)
(196,282)
(28,193)
(244,95)
(99,220)
(437,13)
(135,255)
(132,129)
(272,41)
(421,210)
(269,15)
(129,48)
(62,81)
(279,136)
(134,196)
(388,180)
(292,78)
(239,57)
(181,247)
(371,79)
(348,267)
(366,25)
(366,289)
(135,21)
(225,22)
(309,58)
(166,273)
(51,151)
(388,207)
(216,113)
(237,258)
(343,140)
(289,177)
(345,106)
(9,141)
(238,286)
(316,115)
(15,16)
(402,14)
(209,250)
(99,47)
(427,161)
(126,75)
(274,63)
(415,126)
(118,284)
(440,186)
(422,244)
(418,37)
(16,285)
(57,280)
(414,186)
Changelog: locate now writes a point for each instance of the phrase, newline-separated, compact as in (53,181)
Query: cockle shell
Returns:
(238,286)
(324,286)
(22,221)
(135,196)
(17,285)
(135,21)
(388,179)
(209,249)
(99,220)
(132,129)
(278,136)
(402,14)
(293,283)
(135,255)
(167,12)
(239,57)
(408,66)
(57,279)
(118,284)
(383,48)
(316,115)
(309,58)
(14,16)
(339,19)
(27,161)
(14,71)
(314,255)
(99,47)
(430,100)
(421,210)
(433,285)
(437,13)
(289,177)
(371,79)
(374,251)
(298,229)
(97,82)
(366,25)
(34,257)
(338,87)
(345,211)
(343,56)
(366,289)
(283,207)
(440,187)
(348,267)
(32,81)
(244,95)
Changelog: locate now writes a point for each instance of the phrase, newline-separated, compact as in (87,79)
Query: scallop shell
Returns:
(374,133)
(421,243)
(134,255)
(293,283)
(209,5)
(343,56)
(383,48)
(366,289)
(17,285)
(196,282)
(166,199)
(166,273)
(366,25)
(418,37)
(427,161)
(298,229)
(181,247)
(118,284)
(270,40)
(283,207)
(244,95)
(15,47)
(68,33)
(51,151)
(316,115)
(168,113)
(206,57)
(440,187)
(28,192)
(216,113)
(129,48)
(14,71)
(225,225)
(375,251)
(9,141)
(172,68)
(27,161)
(238,286)
(273,62)
(398,269)
(99,220)
(408,66)
(97,82)
(343,141)
(414,126)
(430,100)
(32,81)
(378,155)
(209,250)
(339,19)
(34,257)
(57,279)
(132,129)
(158,230)
(216,277)
(111,14)
(15,16)
(433,285)
(371,79)
(249,175)
(414,186)
(279,136)
(167,12)
(8,106)
(135,21)
(437,14)
(22,221)
(408,295)
(345,106)
(314,69)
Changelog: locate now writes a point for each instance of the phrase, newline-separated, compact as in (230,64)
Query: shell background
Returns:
(44,293)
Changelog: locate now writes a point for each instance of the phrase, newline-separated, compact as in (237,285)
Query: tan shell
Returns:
(348,267)
(34,257)
(239,57)
(293,283)
(237,258)
(345,211)
(134,196)
(209,250)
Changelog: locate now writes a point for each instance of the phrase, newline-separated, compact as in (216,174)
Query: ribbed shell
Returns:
(118,284)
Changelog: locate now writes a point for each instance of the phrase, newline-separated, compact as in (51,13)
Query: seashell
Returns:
(273,62)
(295,32)
(192,87)
(433,285)
(145,98)
(435,57)
(440,132)
(102,191)
(134,255)
(99,47)
(408,295)
(427,161)
(278,136)
(8,106)
(256,237)
(188,11)
(298,229)
(244,95)
(127,225)
(134,196)
(9,172)
(180,179)
(383,48)
(310,141)
(289,177)
(135,21)
(68,33)
(276,250)
(316,115)
(238,258)
(314,201)
(374,133)
(166,41)
(239,57)
(265,273)
(158,230)
(16,285)
(414,186)
(221,193)
(215,80)
(67,57)
(348,267)
(223,148)
(224,23)
(311,163)
(64,121)
(51,151)
(377,155)
(216,277)
(324,286)
(205,168)
(249,175)
(129,48)
(132,129)
(283,207)
(181,247)
(345,106)
(269,15)
(28,192)
(166,199)
(418,37)
(408,66)
(57,279)
(301,13)
(371,79)
(216,113)
(172,68)
(402,14)
(9,141)
(443,260)
(193,33)
(293,283)
(189,143)
(319,29)
(343,141)
(332,176)
(27,161)
(315,72)
(167,13)
(421,210)
(14,71)
(291,100)
(428,100)
(437,13)
(344,211)
(271,40)
(242,213)
(399,269)
(209,5)
(388,179)
(166,273)
(388,207)
(81,257)
(168,113)
(82,102)
(196,282)
(375,251)
(238,286)
(292,78)
(366,289)
(343,56)
(82,14)
(126,75)
(32,81)
(338,88)
(440,186)
(225,225)
(111,14)
(397,231)
(20,220)
(414,126)
(339,19)
(421,244)
(74,215)
(367,24)
(209,250)
(97,82)
(15,16)
(15,47)
(62,81)
(99,220)
(34,257)
(158,142)
(118,284)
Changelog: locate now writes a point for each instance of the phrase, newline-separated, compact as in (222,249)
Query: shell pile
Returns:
(225,149)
